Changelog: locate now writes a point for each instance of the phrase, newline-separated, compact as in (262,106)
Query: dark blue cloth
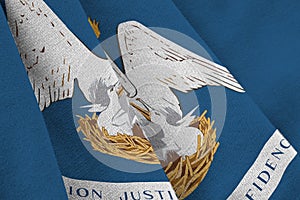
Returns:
(240,141)
(246,128)
(28,168)
(259,41)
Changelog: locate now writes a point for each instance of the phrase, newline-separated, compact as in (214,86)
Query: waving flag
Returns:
(145,111)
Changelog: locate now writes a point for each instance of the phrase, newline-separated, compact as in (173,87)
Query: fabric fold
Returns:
(28,167)
(235,140)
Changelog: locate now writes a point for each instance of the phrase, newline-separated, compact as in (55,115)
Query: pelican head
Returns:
(95,95)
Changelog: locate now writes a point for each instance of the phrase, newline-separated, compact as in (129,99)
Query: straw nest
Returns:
(121,145)
(185,174)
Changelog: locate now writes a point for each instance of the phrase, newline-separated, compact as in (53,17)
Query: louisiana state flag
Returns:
(128,102)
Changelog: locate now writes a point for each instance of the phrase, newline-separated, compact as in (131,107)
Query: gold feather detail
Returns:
(95,26)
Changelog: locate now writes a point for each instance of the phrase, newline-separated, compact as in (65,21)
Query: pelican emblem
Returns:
(154,66)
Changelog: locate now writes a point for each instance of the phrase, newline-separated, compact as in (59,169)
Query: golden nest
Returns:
(185,174)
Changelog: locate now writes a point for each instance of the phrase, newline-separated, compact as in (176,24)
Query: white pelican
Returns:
(180,138)
(54,57)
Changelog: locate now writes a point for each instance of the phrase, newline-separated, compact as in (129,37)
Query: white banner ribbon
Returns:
(93,190)
(264,175)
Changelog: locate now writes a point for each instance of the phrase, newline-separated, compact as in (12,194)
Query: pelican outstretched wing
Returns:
(54,56)
(149,57)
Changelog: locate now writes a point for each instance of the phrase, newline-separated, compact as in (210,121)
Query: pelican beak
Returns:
(143,111)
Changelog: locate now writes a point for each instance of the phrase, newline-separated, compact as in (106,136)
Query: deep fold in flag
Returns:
(250,146)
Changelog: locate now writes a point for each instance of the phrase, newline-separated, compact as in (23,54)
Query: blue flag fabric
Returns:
(263,38)
(238,136)
(28,167)
(244,134)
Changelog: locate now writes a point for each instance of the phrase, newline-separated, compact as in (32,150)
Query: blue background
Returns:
(260,41)
(28,168)
(246,128)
